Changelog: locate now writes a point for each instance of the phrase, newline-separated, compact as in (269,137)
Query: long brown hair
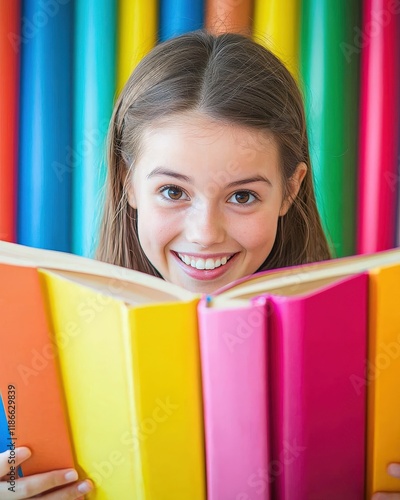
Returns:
(230,78)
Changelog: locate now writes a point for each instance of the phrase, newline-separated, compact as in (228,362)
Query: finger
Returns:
(12,458)
(386,496)
(72,492)
(394,470)
(29,486)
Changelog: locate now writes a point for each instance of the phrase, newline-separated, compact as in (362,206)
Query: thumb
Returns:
(12,458)
(394,470)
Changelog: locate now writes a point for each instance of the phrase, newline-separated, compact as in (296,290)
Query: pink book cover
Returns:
(318,355)
(233,346)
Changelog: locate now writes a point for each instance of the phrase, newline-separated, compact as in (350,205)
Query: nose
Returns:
(205,226)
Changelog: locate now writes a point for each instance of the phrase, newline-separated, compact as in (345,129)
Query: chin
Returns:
(205,286)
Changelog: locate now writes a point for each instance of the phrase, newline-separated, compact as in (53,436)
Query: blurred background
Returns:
(64,62)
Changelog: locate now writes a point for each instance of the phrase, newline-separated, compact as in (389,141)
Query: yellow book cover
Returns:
(132,384)
(167,389)
(383,378)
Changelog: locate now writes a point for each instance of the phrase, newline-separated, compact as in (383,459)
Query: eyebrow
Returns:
(170,173)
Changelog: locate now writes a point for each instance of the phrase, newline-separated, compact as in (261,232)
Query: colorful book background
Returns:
(344,55)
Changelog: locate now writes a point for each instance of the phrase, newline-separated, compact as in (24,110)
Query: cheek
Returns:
(258,232)
(156,227)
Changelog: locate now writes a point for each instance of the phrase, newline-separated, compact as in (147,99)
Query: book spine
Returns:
(233,345)
(179,16)
(277,25)
(233,17)
(379,130)
(168,434)
(45,172)
(10,50)
(137,35)
(382,379)
(94,90)
(329,77)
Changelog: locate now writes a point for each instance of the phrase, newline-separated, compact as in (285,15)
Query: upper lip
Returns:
(208,255)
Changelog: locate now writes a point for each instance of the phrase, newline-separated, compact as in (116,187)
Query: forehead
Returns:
(194,138)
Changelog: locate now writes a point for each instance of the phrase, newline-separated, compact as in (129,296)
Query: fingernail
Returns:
(23,453)
(71,475)
(394,470)
(85,487)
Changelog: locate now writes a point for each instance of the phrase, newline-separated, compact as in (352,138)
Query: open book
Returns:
(257,391)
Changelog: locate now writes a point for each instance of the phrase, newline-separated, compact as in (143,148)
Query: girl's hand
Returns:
(30,486)
(394,471)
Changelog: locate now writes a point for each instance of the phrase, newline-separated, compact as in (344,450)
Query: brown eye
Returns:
(245,198)
(174,193)
(242,196)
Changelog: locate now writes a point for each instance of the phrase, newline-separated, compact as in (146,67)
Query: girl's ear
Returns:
(129,189)
(294,187)
(130,192)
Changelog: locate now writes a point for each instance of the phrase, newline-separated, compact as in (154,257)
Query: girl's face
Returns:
(208,196)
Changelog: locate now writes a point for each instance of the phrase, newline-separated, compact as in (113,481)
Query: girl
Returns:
(209,179)
(209,160)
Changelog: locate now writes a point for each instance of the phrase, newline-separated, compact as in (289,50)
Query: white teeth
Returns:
(200,264)
(210,264)
(203,263)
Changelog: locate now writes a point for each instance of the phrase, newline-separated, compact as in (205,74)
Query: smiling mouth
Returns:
(204,264)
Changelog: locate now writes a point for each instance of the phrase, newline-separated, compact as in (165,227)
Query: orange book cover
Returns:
(30,386)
